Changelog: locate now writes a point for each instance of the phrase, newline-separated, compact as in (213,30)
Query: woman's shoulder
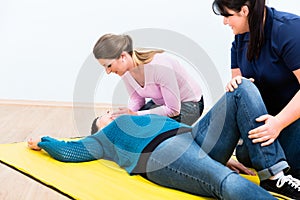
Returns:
(164,59)
(284,25)
(285,18)
(160,57)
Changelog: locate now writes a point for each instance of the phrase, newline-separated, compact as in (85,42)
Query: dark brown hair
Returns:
(255,20)
(94,128)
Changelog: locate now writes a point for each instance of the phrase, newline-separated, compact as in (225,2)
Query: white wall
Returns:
(44,43)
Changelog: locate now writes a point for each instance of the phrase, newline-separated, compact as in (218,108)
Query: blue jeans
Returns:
(194,162)
(289,139)
(190,111)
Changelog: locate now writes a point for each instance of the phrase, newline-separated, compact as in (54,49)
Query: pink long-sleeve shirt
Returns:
(167,83)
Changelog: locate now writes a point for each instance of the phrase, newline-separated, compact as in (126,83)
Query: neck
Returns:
(265,13)
(131,64)
(138,74)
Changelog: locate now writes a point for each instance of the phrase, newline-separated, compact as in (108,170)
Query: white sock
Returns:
(277,176)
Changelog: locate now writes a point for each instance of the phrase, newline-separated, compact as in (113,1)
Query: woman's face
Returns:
(118,66)
(238,21)
(104,120)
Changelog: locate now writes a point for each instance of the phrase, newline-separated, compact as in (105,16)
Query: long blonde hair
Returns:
(143,55)
(110,46)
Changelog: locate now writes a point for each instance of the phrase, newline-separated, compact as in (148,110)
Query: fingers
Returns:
(116,112)
(261,135)
(267,133)
(120,111)
(29,142)
(262,118)
(233,84)
(33,144)
(252,80)
(234,169)
(257,132)
(260,129)
(259,139)
(247,171)
(239,167)
(268,142)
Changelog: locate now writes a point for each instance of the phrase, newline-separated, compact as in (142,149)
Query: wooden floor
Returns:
(20,122)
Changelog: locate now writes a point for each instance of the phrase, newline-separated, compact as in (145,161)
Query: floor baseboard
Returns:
(56,103)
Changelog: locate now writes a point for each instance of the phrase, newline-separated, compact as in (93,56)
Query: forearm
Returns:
(71,151)
(161,110)
(291,112)
(236,72)
(136,102)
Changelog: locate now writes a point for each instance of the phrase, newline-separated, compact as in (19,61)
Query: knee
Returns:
(246,83)
(247,86)
(246,90)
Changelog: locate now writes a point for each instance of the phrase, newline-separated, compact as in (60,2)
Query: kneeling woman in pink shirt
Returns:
(150,74)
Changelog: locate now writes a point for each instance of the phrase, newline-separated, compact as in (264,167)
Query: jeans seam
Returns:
(187,175)
(221,187)
(252,125)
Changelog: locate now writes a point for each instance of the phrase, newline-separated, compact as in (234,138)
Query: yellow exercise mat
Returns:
(98,179)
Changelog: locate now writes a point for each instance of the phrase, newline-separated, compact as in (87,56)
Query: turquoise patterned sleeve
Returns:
(86,149)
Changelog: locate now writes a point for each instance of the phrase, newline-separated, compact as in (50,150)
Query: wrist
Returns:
(280,122)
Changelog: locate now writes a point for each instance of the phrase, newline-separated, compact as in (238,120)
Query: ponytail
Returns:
(143,56)
(256,27)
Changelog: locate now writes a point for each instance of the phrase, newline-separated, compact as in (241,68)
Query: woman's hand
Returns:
(233,84)
(267,133)
(123,111)
(239,167)
(33,144)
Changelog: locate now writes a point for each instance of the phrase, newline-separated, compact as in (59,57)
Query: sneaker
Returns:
(286,187)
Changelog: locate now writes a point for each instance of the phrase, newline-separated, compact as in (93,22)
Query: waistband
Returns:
(140,168)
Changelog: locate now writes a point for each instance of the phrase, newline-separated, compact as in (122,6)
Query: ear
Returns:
(123,56)
(244,11)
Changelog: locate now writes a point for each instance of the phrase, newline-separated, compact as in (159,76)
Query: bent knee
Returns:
(246,83)
(247,86)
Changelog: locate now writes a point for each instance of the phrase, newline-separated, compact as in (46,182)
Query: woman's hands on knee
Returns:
(266,134)
(234,82)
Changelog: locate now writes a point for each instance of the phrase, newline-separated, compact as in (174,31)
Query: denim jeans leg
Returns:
(232,117)
(289,139)
(190,112)
(242,155)
(181,164)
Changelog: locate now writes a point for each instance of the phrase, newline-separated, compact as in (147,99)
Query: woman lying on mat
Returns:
(178,156)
